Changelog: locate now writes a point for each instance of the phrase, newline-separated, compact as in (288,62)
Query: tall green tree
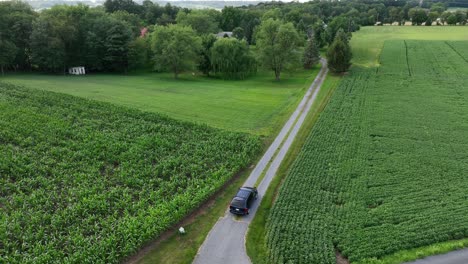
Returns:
(138,54)
(175,48)
(62,31)
(231,18)
(7,54)
(97,28)
(452,19)
(438,8)
(205,65)
(274,13)
(339,53)
(277,44)
(319,34)
(250,20)
(47,49)
(16,20)
(107,42)
(311,53)
(417,15)
(133,21)
(200,20)
(116,46)
(395,14)
(232,59)
(123,5)
(340,22)
(461,17)
(238,33)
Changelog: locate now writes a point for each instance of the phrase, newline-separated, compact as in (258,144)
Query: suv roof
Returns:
(242,193)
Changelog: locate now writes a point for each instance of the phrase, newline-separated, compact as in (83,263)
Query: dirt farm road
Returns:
(226,241)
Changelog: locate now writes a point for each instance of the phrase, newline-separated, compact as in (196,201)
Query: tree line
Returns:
(122,35)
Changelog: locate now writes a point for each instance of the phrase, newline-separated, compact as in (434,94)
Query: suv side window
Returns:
(249,200)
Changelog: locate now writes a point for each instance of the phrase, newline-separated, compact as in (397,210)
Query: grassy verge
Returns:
(256,243)
(418,253)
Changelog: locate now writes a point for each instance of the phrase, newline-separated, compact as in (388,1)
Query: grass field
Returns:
(257,105)
(89,182)
(384,169)
(368,42)
(455,9)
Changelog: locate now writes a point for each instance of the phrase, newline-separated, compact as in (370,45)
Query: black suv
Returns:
(243,201)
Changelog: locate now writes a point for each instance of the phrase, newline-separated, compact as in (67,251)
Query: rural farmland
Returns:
(79,177)
(384,169)
(128,127)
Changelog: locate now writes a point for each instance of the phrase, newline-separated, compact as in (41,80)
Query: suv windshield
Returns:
(238,202)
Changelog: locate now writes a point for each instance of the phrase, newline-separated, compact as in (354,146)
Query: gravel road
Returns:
(225,243)
(454,257)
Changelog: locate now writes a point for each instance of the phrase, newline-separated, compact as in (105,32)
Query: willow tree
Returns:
(232,59)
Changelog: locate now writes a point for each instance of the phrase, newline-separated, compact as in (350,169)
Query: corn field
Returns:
(386,166)
(89,182)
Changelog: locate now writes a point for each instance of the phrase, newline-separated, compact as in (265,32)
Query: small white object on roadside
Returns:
(182,230)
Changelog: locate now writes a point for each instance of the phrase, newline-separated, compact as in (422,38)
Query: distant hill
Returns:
(44,4)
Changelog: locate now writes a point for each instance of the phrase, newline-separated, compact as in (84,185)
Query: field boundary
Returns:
(456,51)
(407,59)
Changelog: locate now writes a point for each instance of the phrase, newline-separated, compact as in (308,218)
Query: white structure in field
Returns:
(182,230)
(77,71)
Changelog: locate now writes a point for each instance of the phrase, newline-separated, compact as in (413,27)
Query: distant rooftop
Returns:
(224,34)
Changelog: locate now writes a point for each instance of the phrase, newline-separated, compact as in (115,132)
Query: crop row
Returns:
(88,182)
(385,167)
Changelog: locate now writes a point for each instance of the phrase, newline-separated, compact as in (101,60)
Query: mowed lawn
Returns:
(368,42)
(257,105)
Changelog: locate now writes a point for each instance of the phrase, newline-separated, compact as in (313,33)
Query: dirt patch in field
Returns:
(340,259)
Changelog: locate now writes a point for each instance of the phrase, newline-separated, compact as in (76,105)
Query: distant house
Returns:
(143,32)
(225,34)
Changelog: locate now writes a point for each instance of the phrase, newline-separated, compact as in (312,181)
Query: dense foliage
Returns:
(384,168)
(278,44)
(65,36)
(88,182)
(175,48)
(311,52)
(202,21)
(232,59)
